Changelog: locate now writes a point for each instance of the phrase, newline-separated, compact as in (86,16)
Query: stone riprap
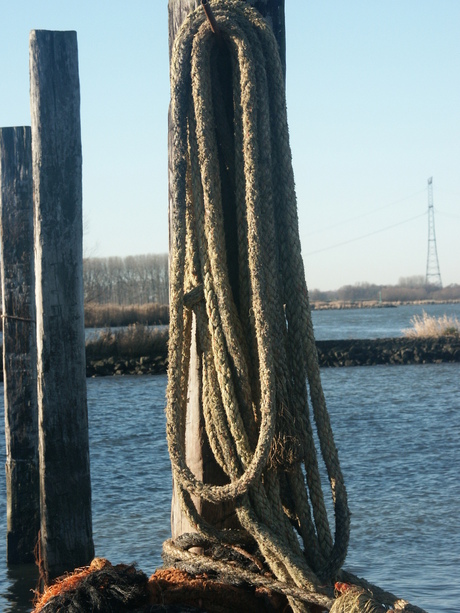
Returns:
(353,352)
(350,352)
(363,352)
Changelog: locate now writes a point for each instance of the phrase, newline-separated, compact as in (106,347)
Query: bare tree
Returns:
(138,279)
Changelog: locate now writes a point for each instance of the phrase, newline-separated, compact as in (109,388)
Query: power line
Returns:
(366,214)
(358,238)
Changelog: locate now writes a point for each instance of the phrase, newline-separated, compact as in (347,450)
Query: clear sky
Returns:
(373,94)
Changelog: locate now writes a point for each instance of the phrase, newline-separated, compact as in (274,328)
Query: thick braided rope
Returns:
(270,334)
(202,564)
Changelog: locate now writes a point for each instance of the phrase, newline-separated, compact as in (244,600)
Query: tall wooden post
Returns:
(19,345)
(198,454)
(65,487)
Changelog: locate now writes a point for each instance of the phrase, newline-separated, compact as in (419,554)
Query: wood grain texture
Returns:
(66,525)
(19,345)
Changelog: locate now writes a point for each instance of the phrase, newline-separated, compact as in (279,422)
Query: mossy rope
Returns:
(258,349)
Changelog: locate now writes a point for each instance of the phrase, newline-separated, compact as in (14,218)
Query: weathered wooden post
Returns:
(19,345)
(65,486)
(199,456)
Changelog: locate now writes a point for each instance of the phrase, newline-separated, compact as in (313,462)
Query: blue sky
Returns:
(373,95)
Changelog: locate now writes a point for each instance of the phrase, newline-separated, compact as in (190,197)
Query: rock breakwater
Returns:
(336,353)
(352,352)
(144,365)
(363,352)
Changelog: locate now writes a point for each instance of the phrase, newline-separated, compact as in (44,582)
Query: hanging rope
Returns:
(258,354)
(253,327)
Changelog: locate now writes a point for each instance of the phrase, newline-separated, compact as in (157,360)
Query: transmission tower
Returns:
(433,274)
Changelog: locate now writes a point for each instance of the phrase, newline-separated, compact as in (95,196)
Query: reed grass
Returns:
(429,326)
(114,315)
(132,342)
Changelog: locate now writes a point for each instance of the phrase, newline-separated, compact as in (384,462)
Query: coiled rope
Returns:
(255,333)
(256,356)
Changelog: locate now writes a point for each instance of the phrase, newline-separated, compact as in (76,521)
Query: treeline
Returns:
(409,289)
(135,279)
(135,289)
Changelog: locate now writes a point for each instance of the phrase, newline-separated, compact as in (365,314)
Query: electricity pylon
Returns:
(433,274)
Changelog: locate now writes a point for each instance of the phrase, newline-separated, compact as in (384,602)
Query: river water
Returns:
(386,322)
(397,429)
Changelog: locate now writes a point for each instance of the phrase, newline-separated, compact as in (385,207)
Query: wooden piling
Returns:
(65,487)
(198,453)
(19,345)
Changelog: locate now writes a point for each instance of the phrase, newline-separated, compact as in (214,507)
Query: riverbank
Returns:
(335,353)
(338,305)
(401,350)
(111,356)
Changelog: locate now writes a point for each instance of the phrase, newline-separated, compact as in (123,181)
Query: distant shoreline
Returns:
(140,349)
(331,353)
(319,305)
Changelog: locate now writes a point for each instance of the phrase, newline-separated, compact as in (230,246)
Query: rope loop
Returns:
(237,271)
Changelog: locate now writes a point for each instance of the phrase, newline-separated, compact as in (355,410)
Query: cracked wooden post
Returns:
(65,486)
(198,454)
(19,345)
